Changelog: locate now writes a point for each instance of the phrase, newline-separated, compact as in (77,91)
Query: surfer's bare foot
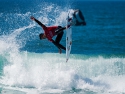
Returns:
(60,51)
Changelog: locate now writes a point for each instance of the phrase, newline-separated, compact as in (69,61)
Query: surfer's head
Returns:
(42,36)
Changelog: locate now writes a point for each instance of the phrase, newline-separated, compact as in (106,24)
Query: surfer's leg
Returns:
(62,47)
(59,46)
(59,30)
(59,37)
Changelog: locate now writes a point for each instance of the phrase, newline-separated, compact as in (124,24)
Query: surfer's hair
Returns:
(41,35)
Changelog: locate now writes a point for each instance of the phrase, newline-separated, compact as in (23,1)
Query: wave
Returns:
(48,72)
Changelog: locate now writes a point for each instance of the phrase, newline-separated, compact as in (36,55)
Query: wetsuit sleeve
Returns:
(42,25)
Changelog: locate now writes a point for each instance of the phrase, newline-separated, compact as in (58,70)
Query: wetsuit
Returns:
(51,31)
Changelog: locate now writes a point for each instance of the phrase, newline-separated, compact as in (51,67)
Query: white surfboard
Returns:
(68,38)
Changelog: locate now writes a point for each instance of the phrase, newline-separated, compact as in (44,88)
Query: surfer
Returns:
(50,32)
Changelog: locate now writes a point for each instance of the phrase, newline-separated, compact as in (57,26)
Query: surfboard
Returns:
(68,38)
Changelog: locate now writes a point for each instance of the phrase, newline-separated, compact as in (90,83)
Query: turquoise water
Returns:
(32,66)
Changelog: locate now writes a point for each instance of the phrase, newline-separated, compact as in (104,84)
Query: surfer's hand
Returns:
(32,18)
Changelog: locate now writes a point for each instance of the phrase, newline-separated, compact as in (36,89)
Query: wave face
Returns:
(31,66)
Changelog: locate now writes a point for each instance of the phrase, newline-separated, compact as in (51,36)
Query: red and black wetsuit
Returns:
(51,31)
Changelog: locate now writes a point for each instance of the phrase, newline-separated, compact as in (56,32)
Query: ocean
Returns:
(32,66)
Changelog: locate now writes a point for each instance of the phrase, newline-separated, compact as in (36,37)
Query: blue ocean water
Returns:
(32,66)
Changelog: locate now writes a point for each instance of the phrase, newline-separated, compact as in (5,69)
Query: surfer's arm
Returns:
(42,25)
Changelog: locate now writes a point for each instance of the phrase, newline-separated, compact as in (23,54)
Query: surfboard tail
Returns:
(77,18)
